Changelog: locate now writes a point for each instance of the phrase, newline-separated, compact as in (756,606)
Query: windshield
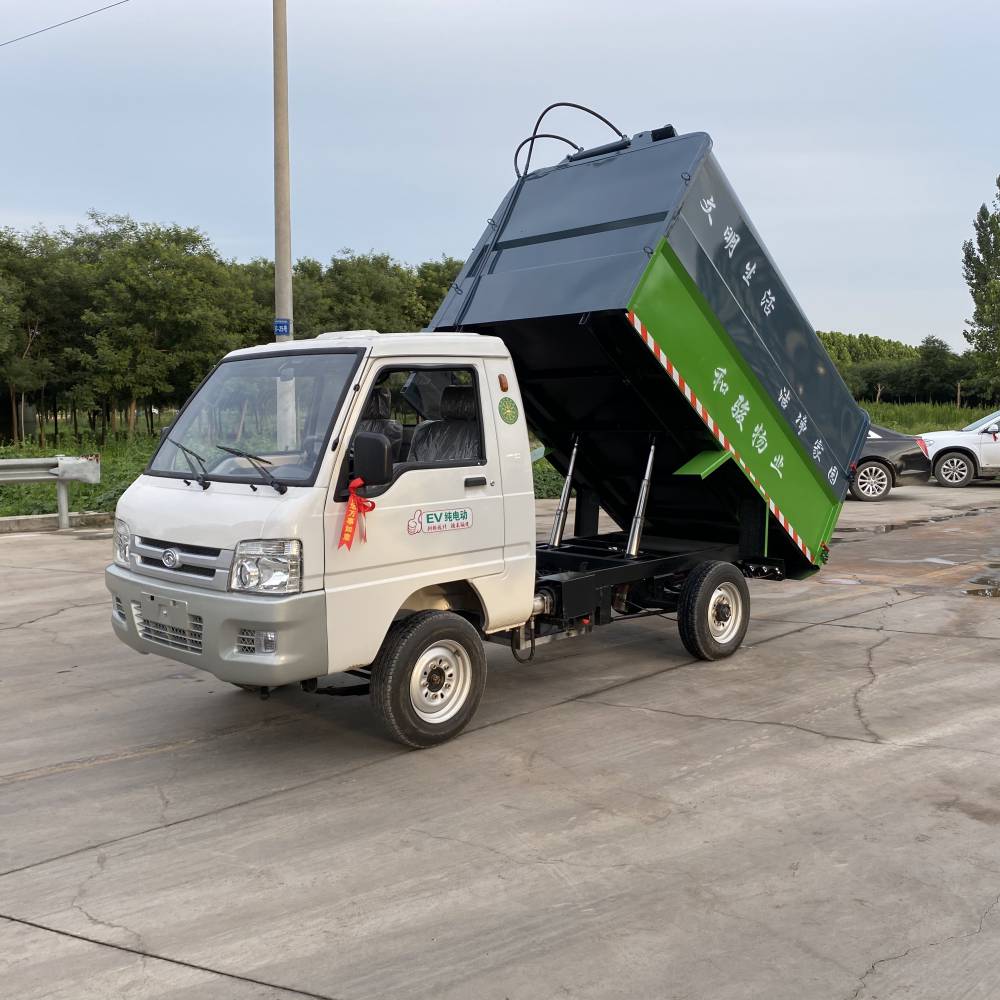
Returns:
(277,407)
(978,425)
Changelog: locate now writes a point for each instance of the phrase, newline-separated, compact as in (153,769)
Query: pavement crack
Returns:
(143,955)
(860,690)
(553,862)
(76,903)
(734,719)
(51,614)
(149,749)
(880,742)
(879,962)
(164,803)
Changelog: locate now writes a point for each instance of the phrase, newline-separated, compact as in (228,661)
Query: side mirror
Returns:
(164,431)
(992,429)
(372,458)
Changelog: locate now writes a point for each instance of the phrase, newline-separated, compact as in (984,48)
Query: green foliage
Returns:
(851,348)
(917,418)
(368,292)
(548,482)
(932,372)
(981,266)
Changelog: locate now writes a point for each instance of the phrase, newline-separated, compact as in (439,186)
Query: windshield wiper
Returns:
(259,464)
(200,477)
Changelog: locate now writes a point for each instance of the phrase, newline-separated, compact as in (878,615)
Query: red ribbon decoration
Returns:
(357,507)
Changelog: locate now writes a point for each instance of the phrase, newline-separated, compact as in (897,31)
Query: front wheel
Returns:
(428,678)
(872,481)
(714,610)
(954,469)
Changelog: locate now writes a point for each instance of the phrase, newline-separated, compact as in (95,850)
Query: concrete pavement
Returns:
(814,818)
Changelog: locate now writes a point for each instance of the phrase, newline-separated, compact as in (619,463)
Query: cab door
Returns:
(440,519)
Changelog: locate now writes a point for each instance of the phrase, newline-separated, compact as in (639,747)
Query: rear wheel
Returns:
(714,610)
(872,481)
(428,678)
(954,468)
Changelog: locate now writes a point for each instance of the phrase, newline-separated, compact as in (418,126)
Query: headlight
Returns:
(121,539)
(272,566)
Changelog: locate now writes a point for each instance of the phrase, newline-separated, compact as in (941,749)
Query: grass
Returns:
(122,459)
(916,418)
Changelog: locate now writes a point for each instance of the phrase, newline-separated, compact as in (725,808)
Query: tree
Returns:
(160,313)
(981,266)
(852,348)
(935,371)
(434,278)
(11,297)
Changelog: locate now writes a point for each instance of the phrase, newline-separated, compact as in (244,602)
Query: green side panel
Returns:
(679,319)
(704,464)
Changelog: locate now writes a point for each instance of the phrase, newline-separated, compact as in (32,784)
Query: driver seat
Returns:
(377,419)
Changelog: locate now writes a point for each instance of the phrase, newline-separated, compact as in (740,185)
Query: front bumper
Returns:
(204,626)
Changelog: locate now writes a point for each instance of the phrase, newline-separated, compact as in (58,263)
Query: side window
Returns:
(431,416)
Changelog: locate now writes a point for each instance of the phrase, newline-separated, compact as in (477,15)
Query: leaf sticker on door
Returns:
(433,521)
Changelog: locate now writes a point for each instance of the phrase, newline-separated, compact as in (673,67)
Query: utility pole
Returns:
(282,182)
(286,422)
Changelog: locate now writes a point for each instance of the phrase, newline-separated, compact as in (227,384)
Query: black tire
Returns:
(711,588)
(872,481)
(954,469)
(425,657)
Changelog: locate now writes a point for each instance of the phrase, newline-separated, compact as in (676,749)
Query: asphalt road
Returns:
(816,817)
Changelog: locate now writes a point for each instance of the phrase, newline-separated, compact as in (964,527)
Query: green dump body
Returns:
(638,303)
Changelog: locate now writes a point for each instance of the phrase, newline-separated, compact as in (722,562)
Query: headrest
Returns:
(379,405)
(458,402)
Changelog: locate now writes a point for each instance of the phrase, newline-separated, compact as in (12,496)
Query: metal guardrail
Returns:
(61,469)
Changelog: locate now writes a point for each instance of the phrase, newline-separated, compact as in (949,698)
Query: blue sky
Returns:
(861,137)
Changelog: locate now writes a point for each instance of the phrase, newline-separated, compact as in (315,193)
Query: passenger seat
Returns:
(453,438)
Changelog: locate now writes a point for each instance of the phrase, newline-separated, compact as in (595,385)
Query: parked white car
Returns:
(958,457)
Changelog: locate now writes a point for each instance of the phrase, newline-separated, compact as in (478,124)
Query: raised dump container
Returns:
(638,301)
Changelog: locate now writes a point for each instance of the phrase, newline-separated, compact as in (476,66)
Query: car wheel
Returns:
(428,678)
(872,481)
(954,469)
(714,610)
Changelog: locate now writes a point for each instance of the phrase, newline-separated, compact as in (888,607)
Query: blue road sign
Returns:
(282,328)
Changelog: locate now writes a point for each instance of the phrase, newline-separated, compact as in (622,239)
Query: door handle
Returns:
(475,481)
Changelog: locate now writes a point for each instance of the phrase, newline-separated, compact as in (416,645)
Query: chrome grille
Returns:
(246,641)
(197,565)
(188,639)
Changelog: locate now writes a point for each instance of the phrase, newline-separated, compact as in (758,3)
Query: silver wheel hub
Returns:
(440,681)
(873,480)
(954,470)
(725,612)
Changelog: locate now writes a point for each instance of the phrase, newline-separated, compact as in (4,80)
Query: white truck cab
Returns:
(241,566)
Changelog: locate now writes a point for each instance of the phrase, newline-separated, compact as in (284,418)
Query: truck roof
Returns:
(388,345)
